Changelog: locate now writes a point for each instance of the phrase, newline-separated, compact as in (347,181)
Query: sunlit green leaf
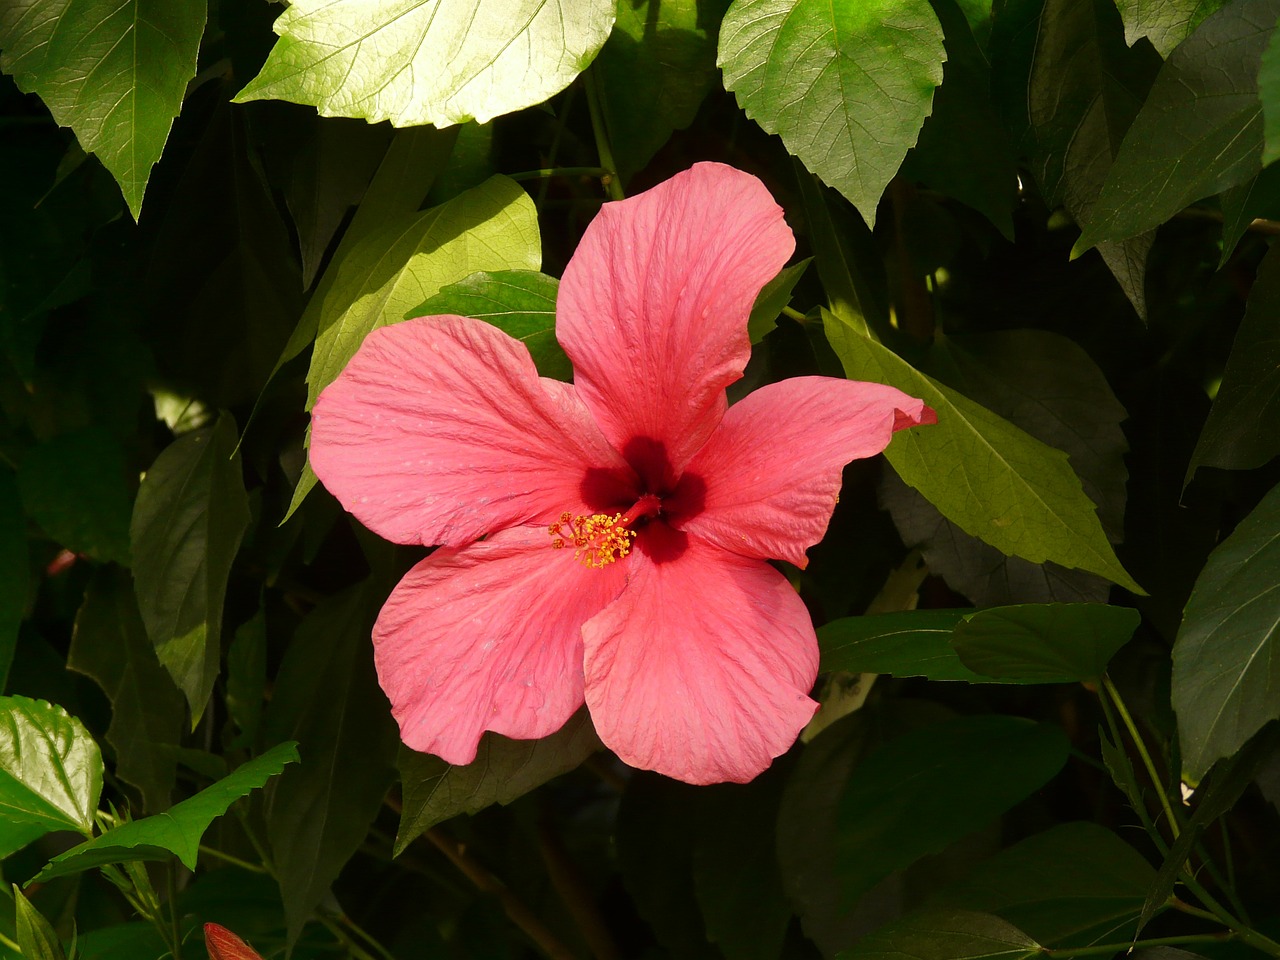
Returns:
(502,771)
(50,770)
(945,935)
(177,831)
(1165,23)
(1239,433)
(521,303)
(1226,660)
(190,514)
(1044,642)
(991,479)
(928,788)
(1200,130)
(428,61)
(110,645)
(115,73)
(74,487)
(847,85)
(326,697)
(772,298)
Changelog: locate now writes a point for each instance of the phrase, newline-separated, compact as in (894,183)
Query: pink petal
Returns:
(653,306)
(772,470)
(488,638)
(701,669)
(440,430)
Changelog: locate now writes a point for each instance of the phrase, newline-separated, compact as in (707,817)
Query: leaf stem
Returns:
(612,184)
(1112,949)
(234,861)
(543,173)
(793,313)
(1114,694)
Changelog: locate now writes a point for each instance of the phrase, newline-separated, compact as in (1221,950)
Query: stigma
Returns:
(597,540)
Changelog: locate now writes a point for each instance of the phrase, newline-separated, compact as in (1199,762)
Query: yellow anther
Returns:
(598,540)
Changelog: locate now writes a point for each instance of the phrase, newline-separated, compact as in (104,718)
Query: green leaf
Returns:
(110,645)
(115,73)
(1257,198)
(36,937)
(1072,885)
(247,677)
(985,475)
(503,770)
(409,258)
(945,935)
(16,562)
(964,150)
(74,487)
(428,61)
(846,84)
(1166,23)
(50,769)
(1239,433)
(772,298)
(1048,386)
(1044,642)
(1070,87)
(928,788)
(1226,661)
(178,830)
(915,643)
(326,697)
(655,71)
(737,884)
(191,512)
(521,303)
(1200,130)
(1269,94)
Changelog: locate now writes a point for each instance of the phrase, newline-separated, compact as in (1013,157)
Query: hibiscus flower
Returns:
(606,541)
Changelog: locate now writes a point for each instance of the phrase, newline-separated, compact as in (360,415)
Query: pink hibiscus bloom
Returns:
(626,518)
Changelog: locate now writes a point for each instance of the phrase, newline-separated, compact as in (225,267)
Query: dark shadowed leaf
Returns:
(326,697)
(503,770)
(1256,198)
(1044,642)
(945,935)
(191,513)
(1165,23)
(16,563)
(115,73)
(655,71)
(1269,94)
(36,936)
(1226,662)
(176,831)
(428,61)
(1239,433)
(74,487)
(847,85)
(521,303)
(247,677)
(984,474)
(1199,131)
(915,643)
(735,868)
(1072,885)
(964,150)
(808,815)
(925,789)
(110,645)
(50,772)
(1048,386)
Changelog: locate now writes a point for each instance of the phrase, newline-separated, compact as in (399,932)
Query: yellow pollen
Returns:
(597,540)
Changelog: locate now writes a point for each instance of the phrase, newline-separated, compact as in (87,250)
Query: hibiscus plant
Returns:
(727,479)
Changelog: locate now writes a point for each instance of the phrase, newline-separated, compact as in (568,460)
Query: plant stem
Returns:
(793,313)
(1135,802)
(544,172)
(517,912)
(1147,762)
(234,861)
(1115,948)
(610,180)
(353,948)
